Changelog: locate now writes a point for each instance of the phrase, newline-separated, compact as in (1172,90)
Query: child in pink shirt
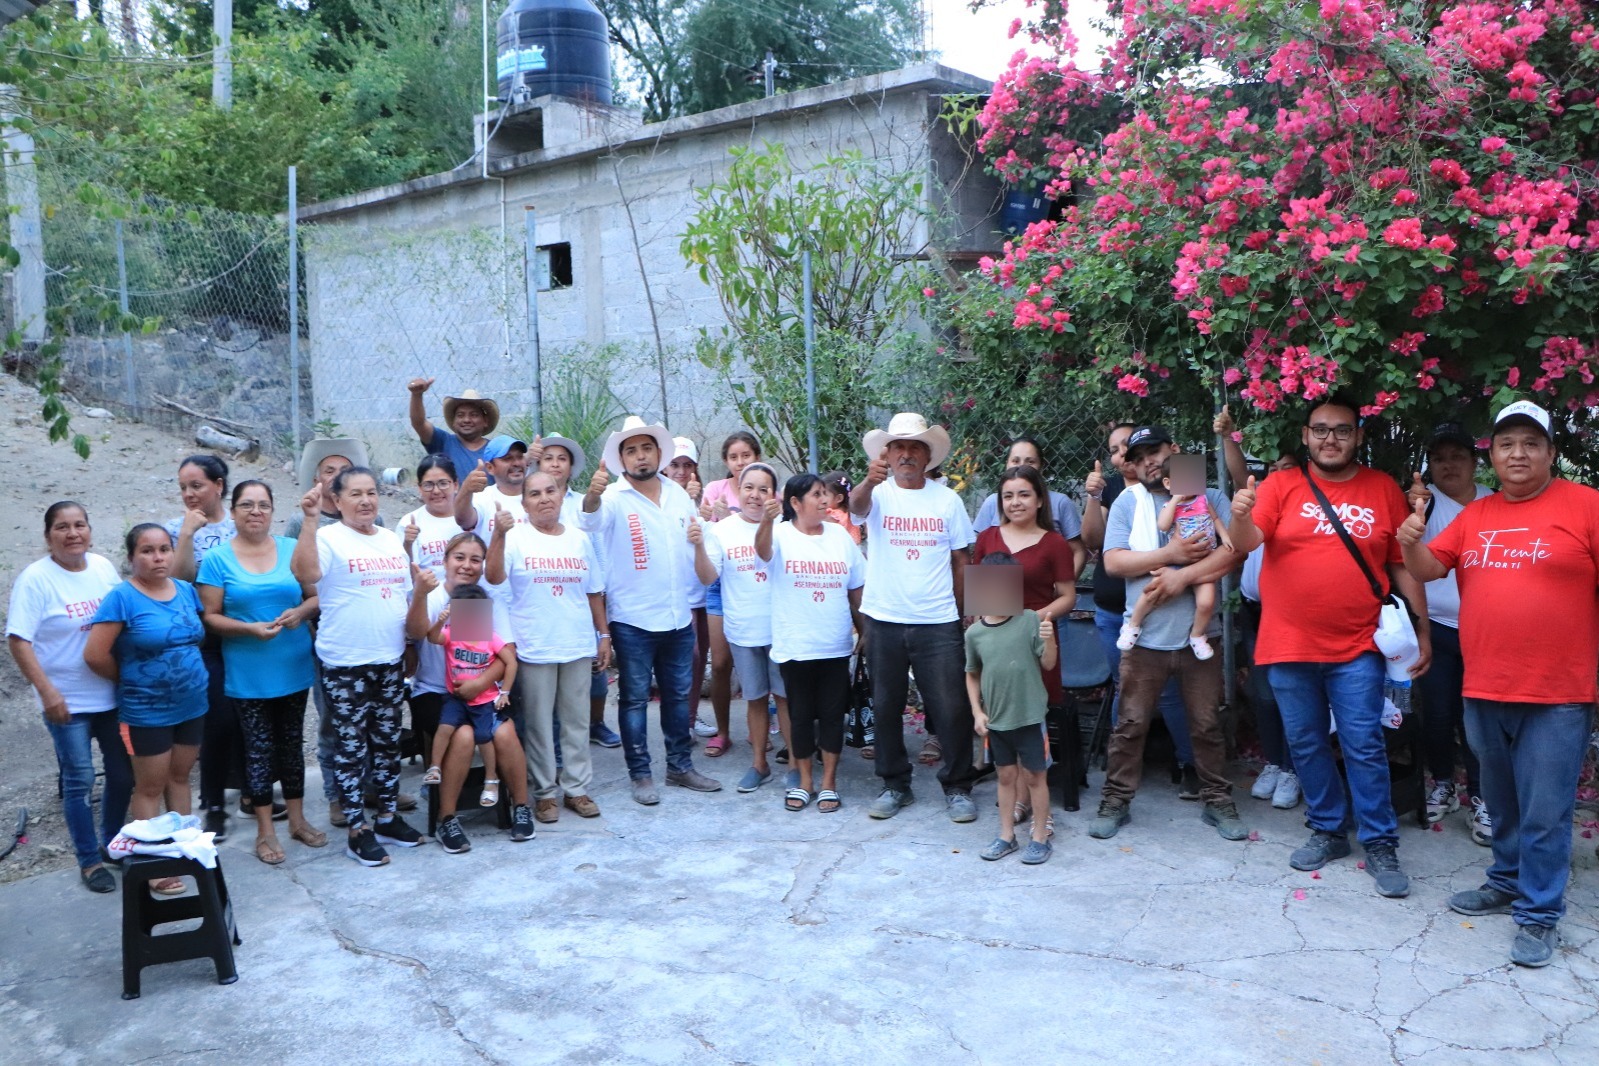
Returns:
(479,669)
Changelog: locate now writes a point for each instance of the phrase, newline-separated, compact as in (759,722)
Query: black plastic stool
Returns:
(142,912)
(467,802)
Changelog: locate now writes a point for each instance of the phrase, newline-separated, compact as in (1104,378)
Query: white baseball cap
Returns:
(683,448)
(1523,412)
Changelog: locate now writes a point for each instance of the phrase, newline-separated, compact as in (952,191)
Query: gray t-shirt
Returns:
(1166,627)
(292,530)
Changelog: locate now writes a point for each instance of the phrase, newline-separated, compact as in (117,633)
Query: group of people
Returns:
(496,609)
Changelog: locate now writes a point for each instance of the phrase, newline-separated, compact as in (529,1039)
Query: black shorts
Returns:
(147,740)
(1007,747)
(482,717)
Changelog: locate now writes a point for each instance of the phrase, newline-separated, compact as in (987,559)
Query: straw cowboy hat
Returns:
(634,426)
(323,447)
(907,425)
(490,409)
(573,448)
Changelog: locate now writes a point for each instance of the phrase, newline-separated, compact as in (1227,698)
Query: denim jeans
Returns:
(1531,756)
(670,657)
(1443,710)
(76,759)
(1172,711)
(1311,695)
(937,652)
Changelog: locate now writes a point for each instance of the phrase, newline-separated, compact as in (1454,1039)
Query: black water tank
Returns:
(555,48)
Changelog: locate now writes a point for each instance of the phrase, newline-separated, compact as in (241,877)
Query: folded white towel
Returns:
(1145,533)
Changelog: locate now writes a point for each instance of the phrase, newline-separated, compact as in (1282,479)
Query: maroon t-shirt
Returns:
(1045,563)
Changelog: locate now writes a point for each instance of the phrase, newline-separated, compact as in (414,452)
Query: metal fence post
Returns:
(530,257)
(294,306)
(122,303)
(1229,627)
(810,360)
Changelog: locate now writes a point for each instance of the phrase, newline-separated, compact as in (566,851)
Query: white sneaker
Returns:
(1285,797)
(1266,783)
(1202,648)
(1482,826)
(702,728)
(1128,637)
(1441,800)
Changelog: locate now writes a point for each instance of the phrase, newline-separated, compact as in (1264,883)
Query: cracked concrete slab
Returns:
(722,929)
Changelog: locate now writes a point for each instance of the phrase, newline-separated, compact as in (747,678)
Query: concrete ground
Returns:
(721,928)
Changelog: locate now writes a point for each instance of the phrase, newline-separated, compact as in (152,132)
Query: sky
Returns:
(976,43)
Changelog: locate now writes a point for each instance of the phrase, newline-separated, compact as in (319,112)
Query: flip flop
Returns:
(168,886)
(796,799)
(932,752)
(716,747)
(268,850)
(827,795)
(869,752)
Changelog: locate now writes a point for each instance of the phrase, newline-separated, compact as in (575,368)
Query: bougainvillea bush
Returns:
(1261,201)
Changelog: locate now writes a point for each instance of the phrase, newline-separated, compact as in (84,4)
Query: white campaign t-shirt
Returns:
(746,591)
(1443,595)
(363,594)
(483,503)
(810,579)
(430,661)
(53,609)
(649,578)
(436,533)
(911,533)
(548,579)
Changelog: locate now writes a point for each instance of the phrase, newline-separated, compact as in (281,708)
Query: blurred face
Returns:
(1145,463)
(330,468)
(199,492)
(908,458)
(541,498)
(737,456)
(1116,445)
(1023,453)
(464,564)
(1018,502)
(253,513)
(358,502)
(641,458)
(1284,462)
(510,469)
(437,490)
(470,421)
(1452,467)
(152,555)
(1524,459)
(753,492)
(683,470)
(69,536)
(810,510)
(1332,437)
(556,462)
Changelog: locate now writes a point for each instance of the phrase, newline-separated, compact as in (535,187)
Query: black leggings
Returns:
(274,745)
(222,750)
(818,696)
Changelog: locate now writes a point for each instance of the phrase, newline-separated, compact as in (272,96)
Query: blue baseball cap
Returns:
(501,446)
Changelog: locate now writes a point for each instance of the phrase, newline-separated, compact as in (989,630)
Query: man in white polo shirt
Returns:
(918,535)
(641,525)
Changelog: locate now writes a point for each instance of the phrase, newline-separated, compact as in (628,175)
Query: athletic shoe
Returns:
(1319,850)
(452,837)
(1189,789)
(703,728)
(1480,901)
(1285,797)
(998,849)
(216,821)
(1224,816)
(604,736)
(1482,826)
(1382,862)
(521,823)
(364,849)
(889,801)
(1266,781)
(753,779)
(396,832)
(959,807)
(1113,814)
(1441,800)
(1534,945)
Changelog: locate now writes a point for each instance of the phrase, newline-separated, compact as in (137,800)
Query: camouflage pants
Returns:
(364,705)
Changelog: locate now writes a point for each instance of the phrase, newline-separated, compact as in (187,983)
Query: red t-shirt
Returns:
(1529,594)
(1043,564)
(1316,606)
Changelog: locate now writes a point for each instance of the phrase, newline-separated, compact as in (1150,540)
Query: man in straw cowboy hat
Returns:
(471,418)
(919,536)
(644,525)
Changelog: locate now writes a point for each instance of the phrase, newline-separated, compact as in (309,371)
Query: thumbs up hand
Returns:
(1244,499)
(598,482)
(535,452)
(719,510)
(694,487)
(1094,484)
(696,535)
(503,520)
(412,531)
(1223,424)
(1414,527)
(1417,489)
(477,480)
(772,511)
(877,472)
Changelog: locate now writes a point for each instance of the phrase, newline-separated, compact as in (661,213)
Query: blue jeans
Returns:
(1170,704)
(670,657)
(1531,756)
(76,759)
(1310,695)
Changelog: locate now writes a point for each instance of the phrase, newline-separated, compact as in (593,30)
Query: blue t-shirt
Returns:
(260,669)
(162,677)
(449,445)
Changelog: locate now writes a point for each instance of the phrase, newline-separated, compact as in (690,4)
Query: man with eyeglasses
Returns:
(1318,617)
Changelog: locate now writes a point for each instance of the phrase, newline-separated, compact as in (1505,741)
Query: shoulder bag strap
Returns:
(1343,535)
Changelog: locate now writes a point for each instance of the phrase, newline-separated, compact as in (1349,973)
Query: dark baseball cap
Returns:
(1147,437)
(1451,433)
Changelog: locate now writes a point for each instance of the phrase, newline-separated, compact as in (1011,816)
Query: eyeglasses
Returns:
(252,506)
(435,486)
(1341,432)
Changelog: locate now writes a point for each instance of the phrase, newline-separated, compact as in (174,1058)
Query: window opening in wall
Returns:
(554,266)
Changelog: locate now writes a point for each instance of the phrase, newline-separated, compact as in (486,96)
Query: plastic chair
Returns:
(214,939)
(1085,676)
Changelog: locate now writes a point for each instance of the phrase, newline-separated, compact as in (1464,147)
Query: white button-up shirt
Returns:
(648,560)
